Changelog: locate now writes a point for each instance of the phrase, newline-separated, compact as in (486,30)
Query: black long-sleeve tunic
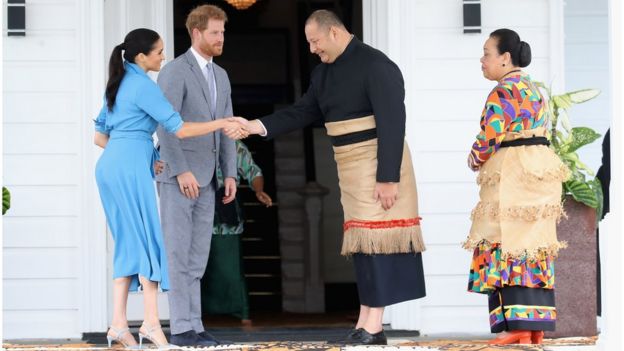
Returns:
(361,82)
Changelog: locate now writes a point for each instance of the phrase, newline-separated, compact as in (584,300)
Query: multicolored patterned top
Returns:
(513,105)
(246,169)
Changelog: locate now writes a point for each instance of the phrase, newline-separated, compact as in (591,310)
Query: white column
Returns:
(162,17)
(120,17)
(375,24)
(385,28)
(94,277)
(612,336)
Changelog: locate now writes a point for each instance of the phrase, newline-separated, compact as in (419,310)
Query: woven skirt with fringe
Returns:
(513,235)
(385,245)
(368,228)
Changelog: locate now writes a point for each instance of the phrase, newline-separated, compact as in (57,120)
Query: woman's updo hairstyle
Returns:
(138,41)
(509,41)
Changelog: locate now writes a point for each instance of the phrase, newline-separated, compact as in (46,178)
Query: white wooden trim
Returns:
(162,15)
(557,45)
(395,20)
(93,279)
(2,235)
(375,24)
(612,337)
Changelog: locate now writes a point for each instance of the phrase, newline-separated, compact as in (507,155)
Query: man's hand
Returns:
(264,198)
(387,194)
(158,166)
(235,128)
(188,185)
(230,190)
(251,127)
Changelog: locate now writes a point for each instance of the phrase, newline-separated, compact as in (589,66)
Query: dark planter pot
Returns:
(575,272)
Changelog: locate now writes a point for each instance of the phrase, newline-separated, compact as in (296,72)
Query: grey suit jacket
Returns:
(186,88)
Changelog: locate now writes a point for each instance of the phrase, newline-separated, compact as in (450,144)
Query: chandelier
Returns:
(241,4)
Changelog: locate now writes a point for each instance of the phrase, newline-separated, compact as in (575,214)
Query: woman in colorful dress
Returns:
(513,234)
(133,108)
(224,289)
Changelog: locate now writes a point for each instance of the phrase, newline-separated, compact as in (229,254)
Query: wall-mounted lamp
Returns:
(472,16)
(16,18)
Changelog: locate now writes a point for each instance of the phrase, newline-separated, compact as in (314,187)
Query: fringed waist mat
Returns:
(368,228)
(520,198)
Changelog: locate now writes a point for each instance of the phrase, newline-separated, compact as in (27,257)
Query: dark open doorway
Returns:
(268,63)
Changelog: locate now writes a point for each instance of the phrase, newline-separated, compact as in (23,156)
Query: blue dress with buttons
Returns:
(125,173)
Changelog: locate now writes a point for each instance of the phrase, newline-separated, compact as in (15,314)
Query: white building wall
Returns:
(587,66)
(53,269)
(445,95)
(54,240)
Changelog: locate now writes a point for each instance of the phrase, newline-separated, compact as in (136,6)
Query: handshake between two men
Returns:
(239,128)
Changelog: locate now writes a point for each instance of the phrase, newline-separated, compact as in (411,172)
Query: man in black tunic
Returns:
(358,92)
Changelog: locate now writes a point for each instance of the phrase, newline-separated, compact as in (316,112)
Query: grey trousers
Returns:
(187,229)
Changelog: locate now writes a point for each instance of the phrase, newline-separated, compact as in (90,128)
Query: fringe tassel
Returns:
(490,179)
(382,241)
(535,253)
(526,213)
(558,174)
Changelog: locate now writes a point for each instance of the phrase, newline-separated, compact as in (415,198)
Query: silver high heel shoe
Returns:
(148,334)
(117,337)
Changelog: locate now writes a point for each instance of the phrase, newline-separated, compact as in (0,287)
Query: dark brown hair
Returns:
(199,16)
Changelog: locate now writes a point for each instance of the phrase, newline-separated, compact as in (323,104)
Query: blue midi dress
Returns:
(125,173)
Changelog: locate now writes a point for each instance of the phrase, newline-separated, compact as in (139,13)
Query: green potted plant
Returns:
(566,140)
(583,205)
(6,200)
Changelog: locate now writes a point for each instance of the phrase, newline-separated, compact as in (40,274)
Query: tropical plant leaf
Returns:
(581,192)
(595,185)
(582,136)
(6,200)
(540,85)
(581,96)
(565,122)
(570,156)
(565,140)
(562,101)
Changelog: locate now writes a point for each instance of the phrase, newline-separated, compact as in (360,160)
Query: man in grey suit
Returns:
(200,91)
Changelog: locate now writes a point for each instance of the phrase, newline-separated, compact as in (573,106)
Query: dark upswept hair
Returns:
(325,19)
(138,41)
(509,41)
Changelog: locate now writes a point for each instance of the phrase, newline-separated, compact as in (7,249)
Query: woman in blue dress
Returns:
(134,106)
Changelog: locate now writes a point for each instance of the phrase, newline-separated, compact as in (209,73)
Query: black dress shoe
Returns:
(190,338)
(367,338)
(352,337)
(208,337)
